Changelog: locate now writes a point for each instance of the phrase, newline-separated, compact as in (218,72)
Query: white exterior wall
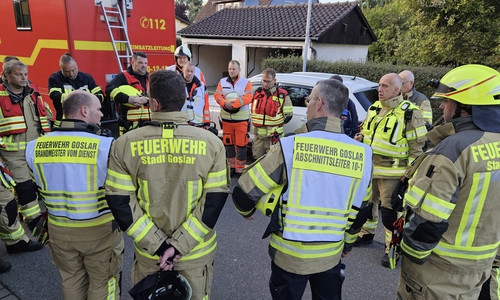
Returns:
(179,25)
(213,55)
(333,52)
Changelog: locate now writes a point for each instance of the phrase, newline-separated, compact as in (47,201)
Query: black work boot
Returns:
(365,240)
(4,266)
(385,261)
(23,246)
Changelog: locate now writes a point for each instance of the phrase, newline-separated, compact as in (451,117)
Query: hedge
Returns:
(369,70)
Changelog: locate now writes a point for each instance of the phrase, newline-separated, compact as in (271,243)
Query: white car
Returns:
(299,85)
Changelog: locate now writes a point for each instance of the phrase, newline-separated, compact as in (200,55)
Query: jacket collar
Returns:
(176,117)
(136,75)
(77,125)
(441,132)
(325,124)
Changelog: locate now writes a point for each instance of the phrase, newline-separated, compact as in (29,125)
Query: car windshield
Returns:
(297,94)
(367,98)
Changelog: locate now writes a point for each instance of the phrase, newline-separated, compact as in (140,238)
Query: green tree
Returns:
(193,7)
(365,4)
(451,32)
(389,23)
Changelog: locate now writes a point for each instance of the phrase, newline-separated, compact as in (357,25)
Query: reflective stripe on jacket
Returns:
(14,118)
(318,164)
(166,175)
(270,110)
(243,88)
(390,136)
(197,106)
(453,198)
(70,169)
(138,113)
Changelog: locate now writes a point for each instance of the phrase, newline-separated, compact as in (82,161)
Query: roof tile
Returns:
(277,21)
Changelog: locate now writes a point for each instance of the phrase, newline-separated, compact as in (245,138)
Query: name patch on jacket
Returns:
(328,156)
(489,152)
(177,151)
(76,150)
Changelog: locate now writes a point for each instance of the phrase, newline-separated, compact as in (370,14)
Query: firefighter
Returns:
(6,60)
(11,230)
(321,162)
(271,110)
(69,79)
(235,114)
(128,89)
(86,244)
(182,55)
(395,130)
(197,105)
(452,231)
(491,288)
(349,115)
(414,96)
(166,186)
(24,118)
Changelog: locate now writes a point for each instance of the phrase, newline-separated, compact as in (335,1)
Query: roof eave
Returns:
(206,36)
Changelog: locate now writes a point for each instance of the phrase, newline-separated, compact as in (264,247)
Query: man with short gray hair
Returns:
(410,93)
(395,130)
(321,179)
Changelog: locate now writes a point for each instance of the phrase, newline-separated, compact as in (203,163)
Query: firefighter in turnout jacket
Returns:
(234,94)
(410,93)
(86,244)
(271,109)
(182,55)
(395,130)
(452,229)
(167,184)
(321,162)
(128,89)
(69,79)
(491,288)
(24,117)
(197,106)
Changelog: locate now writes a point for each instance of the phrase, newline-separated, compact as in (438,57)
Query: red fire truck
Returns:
(100,34)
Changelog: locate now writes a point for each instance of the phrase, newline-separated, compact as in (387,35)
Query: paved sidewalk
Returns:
(5,294)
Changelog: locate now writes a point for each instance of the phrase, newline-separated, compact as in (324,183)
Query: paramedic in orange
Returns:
(234,94)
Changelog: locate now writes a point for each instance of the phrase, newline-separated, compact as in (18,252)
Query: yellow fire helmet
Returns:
(470,85)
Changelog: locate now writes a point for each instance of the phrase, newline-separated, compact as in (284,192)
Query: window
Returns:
(228,4)
(297,94)
(22,14)
(220,7)
(367,98)
(236,4)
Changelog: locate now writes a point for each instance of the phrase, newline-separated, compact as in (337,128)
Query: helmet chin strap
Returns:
(460,107)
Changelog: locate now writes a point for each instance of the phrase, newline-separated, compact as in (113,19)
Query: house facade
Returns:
(338,31)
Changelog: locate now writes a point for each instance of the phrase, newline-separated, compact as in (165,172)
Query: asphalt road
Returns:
(241,268)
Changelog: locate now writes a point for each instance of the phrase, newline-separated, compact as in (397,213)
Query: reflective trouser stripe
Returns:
(13,235)
(30,209)
(112,289)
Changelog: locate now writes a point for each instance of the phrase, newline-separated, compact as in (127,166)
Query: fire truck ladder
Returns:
(118,45)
